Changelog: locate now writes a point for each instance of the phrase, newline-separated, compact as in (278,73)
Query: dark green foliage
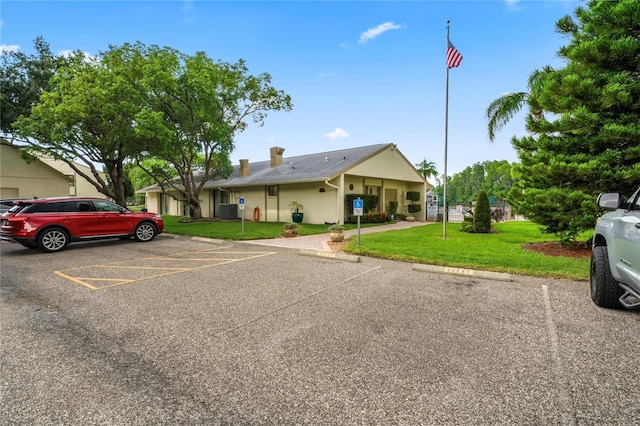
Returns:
(393,207)
(413,196)
(370,218)
(467,225)
(414,208)
(494,177)
(22,79)
(482,214)
(370,202)
(586,138)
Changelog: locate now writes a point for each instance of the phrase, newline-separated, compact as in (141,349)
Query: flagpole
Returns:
(446,135)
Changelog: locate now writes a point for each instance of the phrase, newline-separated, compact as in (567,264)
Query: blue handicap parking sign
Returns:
(358,204)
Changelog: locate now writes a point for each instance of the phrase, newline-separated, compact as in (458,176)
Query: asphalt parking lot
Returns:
(184,332)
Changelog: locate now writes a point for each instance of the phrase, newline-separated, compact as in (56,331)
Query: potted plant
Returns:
(290,229)
(336,232)
(393,209)
(296,211)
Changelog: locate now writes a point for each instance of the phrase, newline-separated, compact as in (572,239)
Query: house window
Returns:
(272,190)
(72,184)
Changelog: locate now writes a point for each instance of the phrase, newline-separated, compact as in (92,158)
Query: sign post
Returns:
(358,208)
(241,208)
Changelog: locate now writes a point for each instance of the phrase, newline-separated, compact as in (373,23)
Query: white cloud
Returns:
(372,33)
(9,48)
(338,133)
(512,4)
(327,74)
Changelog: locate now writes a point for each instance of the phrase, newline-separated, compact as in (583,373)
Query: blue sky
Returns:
(359,73)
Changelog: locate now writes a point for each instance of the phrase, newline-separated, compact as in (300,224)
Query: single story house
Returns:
(40,178)
(320,182)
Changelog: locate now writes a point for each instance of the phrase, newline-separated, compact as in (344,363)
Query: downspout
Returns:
(326,182)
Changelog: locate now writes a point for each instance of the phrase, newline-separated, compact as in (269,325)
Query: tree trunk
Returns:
(196,210)
(118,189)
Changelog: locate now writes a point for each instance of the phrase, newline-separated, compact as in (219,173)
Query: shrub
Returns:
(482,215)
(413,196)
(467,225)
(414,208)
(370,202)
(393,207)
(370,218)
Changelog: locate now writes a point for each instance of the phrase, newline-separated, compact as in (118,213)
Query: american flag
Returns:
(453,56)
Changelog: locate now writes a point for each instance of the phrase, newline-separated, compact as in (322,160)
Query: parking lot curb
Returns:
(498,276)
(330,255)
(165,235)
(207,240)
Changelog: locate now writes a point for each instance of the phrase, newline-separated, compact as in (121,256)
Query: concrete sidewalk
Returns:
(319,242)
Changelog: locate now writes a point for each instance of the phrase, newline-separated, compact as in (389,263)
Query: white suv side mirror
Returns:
(609,200)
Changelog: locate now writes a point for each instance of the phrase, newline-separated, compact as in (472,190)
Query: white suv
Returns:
(615,256)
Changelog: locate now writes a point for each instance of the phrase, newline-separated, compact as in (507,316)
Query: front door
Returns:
(271,209)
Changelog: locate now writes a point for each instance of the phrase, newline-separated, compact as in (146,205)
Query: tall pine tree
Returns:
(587,138)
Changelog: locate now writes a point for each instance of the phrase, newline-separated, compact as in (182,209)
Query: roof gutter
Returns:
(337,188)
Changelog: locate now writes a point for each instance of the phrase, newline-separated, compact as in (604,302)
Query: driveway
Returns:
(263,335)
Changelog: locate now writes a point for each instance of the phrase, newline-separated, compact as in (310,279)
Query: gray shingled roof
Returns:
(302,168)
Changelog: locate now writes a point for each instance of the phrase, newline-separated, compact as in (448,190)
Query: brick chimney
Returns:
(244,168)
(276,156)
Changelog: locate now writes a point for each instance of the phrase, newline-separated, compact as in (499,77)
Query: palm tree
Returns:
(500,111)
(427,168)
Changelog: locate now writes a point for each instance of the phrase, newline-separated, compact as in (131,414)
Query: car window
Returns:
(46,208)
(16,208)
(106,206)
(78,206)
(634,201)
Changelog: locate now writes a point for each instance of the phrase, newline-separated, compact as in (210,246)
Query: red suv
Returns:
(52,223)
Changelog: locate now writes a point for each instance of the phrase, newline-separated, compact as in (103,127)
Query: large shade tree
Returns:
(584,121)
(23,78)
(87,117)
(135,102)
(194,108)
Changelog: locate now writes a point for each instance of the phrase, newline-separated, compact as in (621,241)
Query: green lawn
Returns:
(232,230)
(501,251)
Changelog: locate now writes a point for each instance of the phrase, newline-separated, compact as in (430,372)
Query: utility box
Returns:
(228,211)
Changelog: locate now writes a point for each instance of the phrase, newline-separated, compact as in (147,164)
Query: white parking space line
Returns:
(566,405)
(295,302)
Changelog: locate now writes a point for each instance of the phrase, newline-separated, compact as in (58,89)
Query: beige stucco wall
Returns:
(319,207)
(375,171)
(19,179)
(386,164)
(82,186)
